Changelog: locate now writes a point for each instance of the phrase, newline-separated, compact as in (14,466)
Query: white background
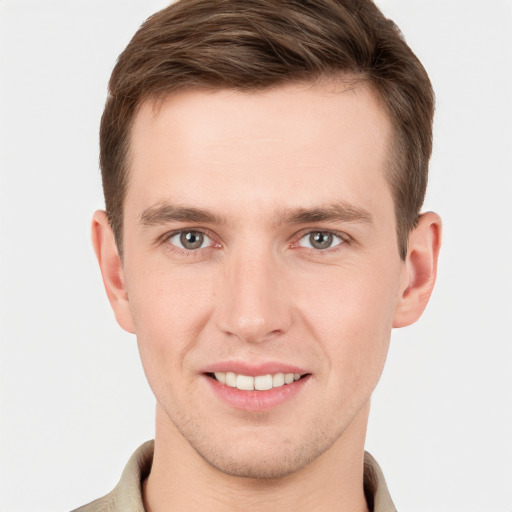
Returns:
(74,403)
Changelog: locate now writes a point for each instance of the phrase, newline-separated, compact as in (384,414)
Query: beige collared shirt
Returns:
(127,495)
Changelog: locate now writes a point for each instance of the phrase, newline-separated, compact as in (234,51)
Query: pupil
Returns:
(192,239)
(321,240)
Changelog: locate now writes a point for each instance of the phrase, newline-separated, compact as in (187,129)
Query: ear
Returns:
(111,268)
(420,270)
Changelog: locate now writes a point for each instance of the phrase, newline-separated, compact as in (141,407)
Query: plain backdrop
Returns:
(74,403)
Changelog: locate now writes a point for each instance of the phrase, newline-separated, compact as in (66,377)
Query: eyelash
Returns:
(345,239)
(187,252)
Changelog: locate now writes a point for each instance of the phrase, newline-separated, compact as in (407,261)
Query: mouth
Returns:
(258,382)
(256,387)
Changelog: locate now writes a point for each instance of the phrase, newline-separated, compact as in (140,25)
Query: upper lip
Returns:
(253,369)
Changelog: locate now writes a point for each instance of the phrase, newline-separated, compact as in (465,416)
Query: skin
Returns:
(257,291)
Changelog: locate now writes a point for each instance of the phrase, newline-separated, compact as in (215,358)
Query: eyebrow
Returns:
(166,212)
(163,213)
(339,212)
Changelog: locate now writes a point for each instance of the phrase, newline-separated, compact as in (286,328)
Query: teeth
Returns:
(244,382)
(263,382)
(260,383)
(230,379)
(289,378)
(278,380)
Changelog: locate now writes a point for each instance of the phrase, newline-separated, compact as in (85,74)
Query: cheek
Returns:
(351,314)
(169,310)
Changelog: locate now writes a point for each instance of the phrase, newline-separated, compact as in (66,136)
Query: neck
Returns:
(181,480)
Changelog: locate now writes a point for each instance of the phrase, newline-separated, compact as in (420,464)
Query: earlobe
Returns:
(111,269)
(420,268)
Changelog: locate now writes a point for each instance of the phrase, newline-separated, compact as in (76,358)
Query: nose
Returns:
(254,304)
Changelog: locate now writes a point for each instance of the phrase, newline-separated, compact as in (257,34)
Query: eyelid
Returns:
(295,239)
(308,231)
(166,238)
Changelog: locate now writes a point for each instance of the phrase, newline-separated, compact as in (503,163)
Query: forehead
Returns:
(283,147)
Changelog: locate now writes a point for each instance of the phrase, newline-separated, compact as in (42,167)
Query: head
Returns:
(260,44)
(264,164)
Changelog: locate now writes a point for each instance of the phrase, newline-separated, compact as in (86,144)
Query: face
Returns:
(260,250)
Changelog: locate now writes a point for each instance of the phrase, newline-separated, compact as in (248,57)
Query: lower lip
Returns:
(256,400)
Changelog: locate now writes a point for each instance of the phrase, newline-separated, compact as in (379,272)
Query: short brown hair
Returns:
(257,44)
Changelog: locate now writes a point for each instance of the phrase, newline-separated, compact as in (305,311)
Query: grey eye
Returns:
(190,240)
(320,240)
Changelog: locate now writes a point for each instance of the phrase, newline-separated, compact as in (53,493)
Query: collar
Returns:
(127,495)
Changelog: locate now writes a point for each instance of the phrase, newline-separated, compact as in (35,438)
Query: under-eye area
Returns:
(258,382)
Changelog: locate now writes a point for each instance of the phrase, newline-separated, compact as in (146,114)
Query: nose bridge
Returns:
(253,303)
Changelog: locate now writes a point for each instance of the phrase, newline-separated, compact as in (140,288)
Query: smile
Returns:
(258,383)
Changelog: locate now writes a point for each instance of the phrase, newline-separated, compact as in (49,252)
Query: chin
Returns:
(260,467)
(264,459)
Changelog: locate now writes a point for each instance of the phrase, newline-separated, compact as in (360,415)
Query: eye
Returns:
(320,240)
(190,240)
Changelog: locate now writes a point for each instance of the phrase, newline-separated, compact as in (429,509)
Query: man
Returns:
(264,164)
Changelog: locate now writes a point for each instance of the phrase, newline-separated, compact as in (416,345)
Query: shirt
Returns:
(127,495)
